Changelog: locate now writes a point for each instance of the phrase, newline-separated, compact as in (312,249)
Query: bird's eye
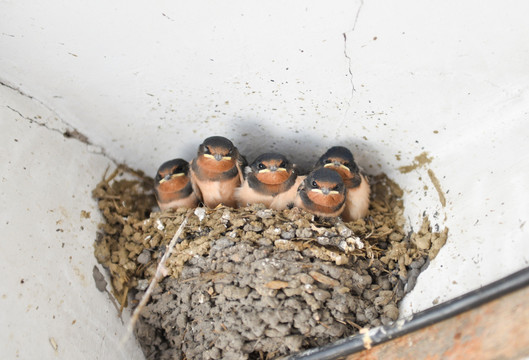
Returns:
(314,184)
(282,164)
(206,150)
(261,166)
(328,161)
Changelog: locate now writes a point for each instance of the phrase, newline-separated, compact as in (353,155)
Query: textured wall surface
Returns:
(49,305)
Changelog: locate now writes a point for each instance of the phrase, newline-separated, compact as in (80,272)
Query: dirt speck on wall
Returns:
(255,283)
(419,161)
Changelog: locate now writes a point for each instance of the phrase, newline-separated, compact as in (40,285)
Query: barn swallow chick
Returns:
(341,160)
(271,180)
(322,193)
(172,185)
(217,171)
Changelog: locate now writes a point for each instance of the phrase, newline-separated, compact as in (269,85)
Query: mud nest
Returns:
(255,283)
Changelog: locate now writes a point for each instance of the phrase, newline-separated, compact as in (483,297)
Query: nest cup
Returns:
(451,133)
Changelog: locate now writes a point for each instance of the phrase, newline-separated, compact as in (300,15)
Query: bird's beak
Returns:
(272,168)
(169,177)
(337,164)
(326,191)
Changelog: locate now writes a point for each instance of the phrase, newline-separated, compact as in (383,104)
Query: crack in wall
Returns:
(349,60)
(65,123)
(34,121)
(70,132)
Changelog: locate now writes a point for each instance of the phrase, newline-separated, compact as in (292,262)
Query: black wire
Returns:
(421,320)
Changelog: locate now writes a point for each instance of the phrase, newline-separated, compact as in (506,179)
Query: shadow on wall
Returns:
(302,147)
(300,144)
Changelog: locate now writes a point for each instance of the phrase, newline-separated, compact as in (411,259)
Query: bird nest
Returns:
(255,282)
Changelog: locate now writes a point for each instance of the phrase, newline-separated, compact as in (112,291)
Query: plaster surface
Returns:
(49,305)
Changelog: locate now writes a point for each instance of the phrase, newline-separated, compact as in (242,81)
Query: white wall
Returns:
(147,81)
(47,292)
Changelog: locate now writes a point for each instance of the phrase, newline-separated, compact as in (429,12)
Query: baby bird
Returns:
(341,160)
(172,186)
(271,180)
(216,172)
(322,193)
